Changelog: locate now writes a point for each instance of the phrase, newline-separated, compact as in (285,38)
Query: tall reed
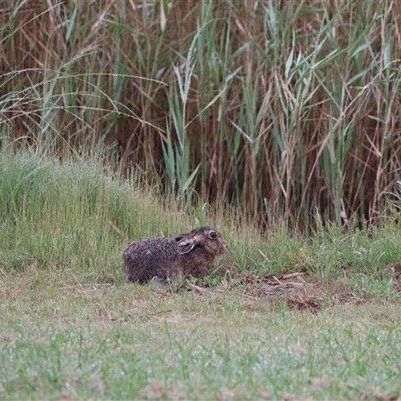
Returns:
(283,109)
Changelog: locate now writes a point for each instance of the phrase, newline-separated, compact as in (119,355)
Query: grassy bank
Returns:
(72,328)
(78,214)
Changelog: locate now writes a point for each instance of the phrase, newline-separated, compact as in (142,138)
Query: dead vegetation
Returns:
(299,291)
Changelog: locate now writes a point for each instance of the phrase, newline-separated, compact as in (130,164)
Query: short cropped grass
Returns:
(72,328)
(66,341)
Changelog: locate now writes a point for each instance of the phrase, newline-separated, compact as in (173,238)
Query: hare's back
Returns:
(157,248)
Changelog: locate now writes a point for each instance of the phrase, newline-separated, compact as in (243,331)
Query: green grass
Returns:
(71,215)
(59,338)
(77,214)
(72,328)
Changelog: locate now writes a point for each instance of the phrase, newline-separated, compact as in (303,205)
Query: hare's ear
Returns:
(185,246)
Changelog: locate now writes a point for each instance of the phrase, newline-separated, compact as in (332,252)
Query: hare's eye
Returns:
(212,235)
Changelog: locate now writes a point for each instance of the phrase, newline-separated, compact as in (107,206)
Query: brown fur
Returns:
(190,254)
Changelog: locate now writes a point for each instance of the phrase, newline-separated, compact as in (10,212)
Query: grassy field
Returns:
(64,339)
(327,327)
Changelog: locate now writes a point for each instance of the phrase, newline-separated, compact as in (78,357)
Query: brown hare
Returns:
(164,258)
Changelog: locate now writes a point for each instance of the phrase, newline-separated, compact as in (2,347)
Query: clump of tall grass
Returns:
(77,215)
(71,215)
(282,109)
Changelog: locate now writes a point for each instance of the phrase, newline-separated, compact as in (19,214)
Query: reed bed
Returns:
(285,110)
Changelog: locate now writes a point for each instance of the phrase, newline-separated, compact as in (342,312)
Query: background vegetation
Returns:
(283,109)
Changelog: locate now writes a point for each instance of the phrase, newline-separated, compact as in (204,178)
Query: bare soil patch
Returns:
(301,291)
